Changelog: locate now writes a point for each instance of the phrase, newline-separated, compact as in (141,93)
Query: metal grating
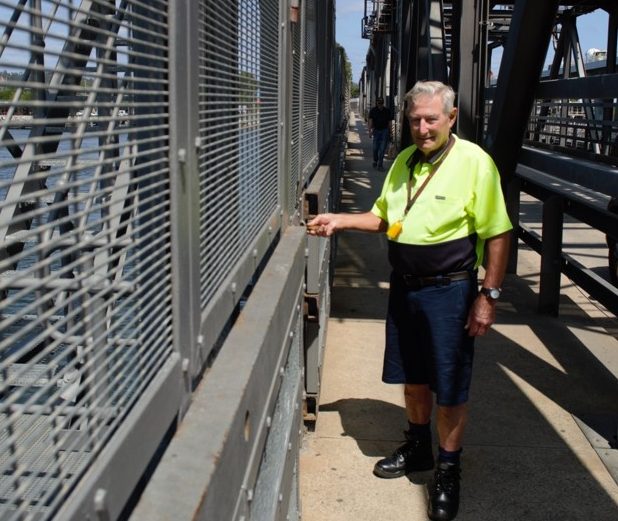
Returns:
(85,283)
(238,125)
(294,176)
(309,126)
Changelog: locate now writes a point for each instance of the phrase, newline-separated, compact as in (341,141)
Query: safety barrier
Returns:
(154,158)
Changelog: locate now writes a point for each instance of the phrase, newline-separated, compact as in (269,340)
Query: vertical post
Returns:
(612,41)
(430,60)
(435,41)
(470,74)
(549,293)
(567,27)
(512,196)
(184,185)
(288,16)
(410,62)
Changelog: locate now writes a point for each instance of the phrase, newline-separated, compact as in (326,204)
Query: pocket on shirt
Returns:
(444,214)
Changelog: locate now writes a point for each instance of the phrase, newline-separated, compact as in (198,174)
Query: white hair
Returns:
(431,89)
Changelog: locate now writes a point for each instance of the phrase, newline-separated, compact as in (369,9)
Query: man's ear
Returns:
(452,117)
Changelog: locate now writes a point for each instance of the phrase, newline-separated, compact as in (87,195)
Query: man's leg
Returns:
(419,402)
(383,139)
(416,453)
(444,489)
(451,422)
(376,145)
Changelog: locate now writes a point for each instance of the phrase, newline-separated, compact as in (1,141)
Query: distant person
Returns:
(443,212)
(380,119)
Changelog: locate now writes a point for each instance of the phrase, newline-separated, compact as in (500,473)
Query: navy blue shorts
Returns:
(426,342)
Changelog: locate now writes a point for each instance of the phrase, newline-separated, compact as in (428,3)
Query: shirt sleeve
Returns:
(380,207)
(487,204)
(394,182)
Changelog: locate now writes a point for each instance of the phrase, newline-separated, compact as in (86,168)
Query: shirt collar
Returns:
(418,157)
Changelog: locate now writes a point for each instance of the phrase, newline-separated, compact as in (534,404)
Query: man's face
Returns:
(429,125)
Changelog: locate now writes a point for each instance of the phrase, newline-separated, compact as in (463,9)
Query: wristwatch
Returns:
(491,293)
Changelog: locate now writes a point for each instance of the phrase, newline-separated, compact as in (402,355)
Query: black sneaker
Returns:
(444,492)
(374,164)
(413,456)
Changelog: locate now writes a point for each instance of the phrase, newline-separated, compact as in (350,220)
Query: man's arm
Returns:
(483,311)
(370,121)
(327,224)
(497,252)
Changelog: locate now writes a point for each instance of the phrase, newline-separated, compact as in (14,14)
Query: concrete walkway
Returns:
(544,406)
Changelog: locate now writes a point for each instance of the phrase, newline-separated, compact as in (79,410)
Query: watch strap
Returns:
(491,293)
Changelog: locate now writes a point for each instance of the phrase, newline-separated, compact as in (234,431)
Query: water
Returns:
(20,322)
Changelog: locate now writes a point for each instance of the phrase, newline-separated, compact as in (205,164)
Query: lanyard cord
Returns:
(434,169)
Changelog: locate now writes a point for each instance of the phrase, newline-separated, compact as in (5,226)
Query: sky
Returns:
(348,33)
(592,34)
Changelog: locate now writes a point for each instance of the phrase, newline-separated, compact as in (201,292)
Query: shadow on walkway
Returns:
(540,445)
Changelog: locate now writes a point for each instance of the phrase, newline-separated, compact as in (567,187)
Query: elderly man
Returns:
(443,212)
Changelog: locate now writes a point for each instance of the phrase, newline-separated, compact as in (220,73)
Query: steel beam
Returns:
(600,177)
(429,60)
(210,469)
(522,63)
(184,182)
(469,67)
(551,248)
(584,205)
(612,41)
(426,55)
(604,85)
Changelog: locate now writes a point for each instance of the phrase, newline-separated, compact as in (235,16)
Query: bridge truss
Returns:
(553,132)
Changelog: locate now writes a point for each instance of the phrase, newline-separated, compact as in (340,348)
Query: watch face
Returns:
(492,293)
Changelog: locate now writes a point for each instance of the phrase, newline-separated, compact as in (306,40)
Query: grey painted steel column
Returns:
(469,66)
(424,56)
(410,59)
(520,70)
(400,42)
(184,82)
(285,113)
(432,48)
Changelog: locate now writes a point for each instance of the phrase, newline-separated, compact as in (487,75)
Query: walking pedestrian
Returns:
(380,118)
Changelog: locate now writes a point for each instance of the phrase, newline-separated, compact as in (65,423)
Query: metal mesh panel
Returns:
(326,100)
(239,84)
(294,176)
(309,141)
(85,284)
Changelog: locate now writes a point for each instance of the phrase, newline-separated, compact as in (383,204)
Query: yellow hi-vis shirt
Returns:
(461,206)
